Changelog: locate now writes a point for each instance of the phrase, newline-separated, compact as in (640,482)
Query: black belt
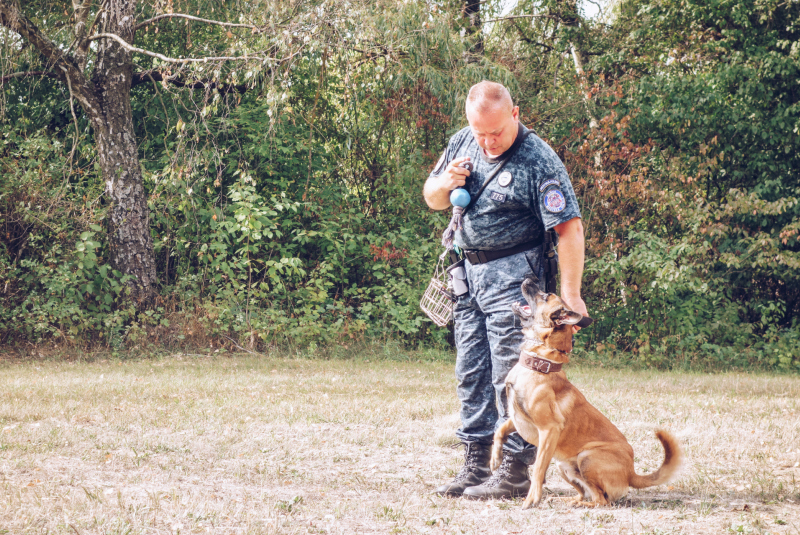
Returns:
(481,257)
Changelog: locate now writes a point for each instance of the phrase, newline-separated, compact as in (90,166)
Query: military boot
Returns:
(474,472)
(510,480)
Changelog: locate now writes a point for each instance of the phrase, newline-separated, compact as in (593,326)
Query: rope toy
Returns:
(460,199)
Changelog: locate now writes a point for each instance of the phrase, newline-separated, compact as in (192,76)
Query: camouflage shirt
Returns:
(532,192)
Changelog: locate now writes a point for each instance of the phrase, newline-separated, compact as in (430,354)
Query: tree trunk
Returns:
(106,101)
(472,9)
(128,222)
(578,62)
(569,17)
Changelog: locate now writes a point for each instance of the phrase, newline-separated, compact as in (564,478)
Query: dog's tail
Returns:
(673,457)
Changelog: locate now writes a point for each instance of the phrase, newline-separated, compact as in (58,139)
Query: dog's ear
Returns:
(530,288)
(562,316)
(523,312)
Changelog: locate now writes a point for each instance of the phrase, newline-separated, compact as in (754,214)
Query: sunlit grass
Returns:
(352,445)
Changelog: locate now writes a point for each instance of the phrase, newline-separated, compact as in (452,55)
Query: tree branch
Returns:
(521,17)
(124,44)
(12,18)
(522,36)
(196,19)
(81,9)
(599,7)
(159,76)
(27,74)
(74,118)
(82,51)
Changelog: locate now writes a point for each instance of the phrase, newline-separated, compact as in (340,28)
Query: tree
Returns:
(104,96)
(96,61)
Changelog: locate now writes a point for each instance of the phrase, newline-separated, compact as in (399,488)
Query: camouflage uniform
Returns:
(531,194)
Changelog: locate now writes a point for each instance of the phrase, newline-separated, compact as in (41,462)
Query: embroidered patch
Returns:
(548,183)
(499,197)
(504,178)
(554,201)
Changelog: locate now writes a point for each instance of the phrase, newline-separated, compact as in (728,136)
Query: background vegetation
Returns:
(285,197)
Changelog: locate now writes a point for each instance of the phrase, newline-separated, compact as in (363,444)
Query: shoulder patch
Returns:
(547,183)
(554,201)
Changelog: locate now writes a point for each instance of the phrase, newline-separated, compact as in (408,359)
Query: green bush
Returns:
(292,213)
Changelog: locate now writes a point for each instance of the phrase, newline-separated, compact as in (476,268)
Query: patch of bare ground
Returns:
(246,445)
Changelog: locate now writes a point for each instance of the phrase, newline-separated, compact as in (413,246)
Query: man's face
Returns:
(494,129)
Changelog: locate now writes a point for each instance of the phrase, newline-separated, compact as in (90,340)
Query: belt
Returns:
(482,257)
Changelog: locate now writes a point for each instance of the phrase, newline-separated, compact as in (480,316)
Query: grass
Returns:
(240,444)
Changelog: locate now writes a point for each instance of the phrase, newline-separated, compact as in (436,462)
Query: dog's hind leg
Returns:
(603,473)
(570,473)
(500,437)
(597,494)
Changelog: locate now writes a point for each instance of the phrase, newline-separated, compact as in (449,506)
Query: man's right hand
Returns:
(437,189)
(455,176)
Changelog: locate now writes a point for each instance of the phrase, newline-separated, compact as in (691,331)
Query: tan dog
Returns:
(547,410)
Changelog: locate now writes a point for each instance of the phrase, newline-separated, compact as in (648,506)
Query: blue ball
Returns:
(459,197)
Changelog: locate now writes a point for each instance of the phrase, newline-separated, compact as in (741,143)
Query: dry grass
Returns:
(246,445)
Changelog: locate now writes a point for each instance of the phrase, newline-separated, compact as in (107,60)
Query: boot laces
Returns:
(470,463)
(502,473)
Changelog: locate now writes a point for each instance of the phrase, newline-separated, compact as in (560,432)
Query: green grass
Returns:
(353,441)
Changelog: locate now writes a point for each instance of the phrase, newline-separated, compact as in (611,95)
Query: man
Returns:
(502,237)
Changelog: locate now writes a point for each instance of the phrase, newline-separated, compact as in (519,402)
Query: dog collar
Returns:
(539,365)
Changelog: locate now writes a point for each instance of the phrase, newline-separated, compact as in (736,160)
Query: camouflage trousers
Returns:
(488,338)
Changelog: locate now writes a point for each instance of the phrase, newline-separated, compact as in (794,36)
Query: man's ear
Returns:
(563,316)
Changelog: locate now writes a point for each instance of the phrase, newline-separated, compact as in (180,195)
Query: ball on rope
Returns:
(459,197)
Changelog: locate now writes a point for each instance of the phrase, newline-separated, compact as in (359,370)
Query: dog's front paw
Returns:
(497,456)
(533,498)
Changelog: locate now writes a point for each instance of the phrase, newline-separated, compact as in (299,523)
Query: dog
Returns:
(592,455)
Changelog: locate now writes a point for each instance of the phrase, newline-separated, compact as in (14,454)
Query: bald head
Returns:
(486,96)
(492,117)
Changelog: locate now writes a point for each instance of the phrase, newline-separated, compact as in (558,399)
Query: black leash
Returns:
(497,169)
(458,212)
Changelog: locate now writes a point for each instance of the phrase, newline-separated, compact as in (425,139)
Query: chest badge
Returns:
(497,196)
(504,178)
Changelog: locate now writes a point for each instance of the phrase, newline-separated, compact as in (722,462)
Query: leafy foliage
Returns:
(697,193)
(285,199)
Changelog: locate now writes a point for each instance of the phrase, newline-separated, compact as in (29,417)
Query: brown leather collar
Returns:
(539,365)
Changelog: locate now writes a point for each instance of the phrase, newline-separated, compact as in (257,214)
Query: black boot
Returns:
(510,480)
(474,472)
